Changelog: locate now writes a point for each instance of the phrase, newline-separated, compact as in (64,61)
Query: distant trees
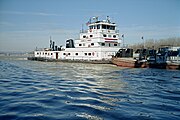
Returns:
(152,43)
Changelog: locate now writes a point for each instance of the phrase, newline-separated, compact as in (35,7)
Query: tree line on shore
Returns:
(155,44)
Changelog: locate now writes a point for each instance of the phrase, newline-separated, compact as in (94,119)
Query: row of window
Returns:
(84,36)
(103,44)
(92,44)
(109,27)
(44,53)
(89,54)
(114,36)
(104,35)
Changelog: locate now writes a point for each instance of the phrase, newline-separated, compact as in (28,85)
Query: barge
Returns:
(163,58)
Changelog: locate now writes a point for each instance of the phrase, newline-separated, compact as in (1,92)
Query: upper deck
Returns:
(100,26)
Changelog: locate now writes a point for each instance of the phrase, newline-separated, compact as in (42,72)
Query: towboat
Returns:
(97,44)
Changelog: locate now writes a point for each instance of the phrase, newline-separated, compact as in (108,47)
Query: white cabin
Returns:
(100,41)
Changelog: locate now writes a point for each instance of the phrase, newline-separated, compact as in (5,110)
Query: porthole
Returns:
(104,35)
(114,36)
(91,35)
(76,53)
(115,44)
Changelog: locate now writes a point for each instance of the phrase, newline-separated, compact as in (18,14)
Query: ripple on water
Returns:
(45,90)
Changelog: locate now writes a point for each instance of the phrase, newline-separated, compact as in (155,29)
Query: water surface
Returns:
(54,91)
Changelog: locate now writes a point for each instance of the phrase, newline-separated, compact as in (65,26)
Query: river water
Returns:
(61,91)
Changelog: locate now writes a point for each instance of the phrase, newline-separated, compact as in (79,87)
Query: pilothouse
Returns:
(99,42)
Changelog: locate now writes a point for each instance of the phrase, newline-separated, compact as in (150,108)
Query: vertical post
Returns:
(82,28)
(50,43)
(123,40)
(143,41)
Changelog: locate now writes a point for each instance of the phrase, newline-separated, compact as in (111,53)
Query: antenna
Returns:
(82,28)
(50,42)
(108,19)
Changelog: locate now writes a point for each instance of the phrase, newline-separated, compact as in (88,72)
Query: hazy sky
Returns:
(27,24)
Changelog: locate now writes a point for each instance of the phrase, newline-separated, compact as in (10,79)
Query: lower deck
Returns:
(78,54)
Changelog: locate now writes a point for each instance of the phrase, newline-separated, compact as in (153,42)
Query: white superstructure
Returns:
(99,42)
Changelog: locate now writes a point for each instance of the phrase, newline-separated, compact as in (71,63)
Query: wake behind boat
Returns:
(97,44)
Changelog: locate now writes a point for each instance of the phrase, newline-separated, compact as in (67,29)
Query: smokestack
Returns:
(53,45)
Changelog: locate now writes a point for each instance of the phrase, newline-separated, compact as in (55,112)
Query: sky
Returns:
(27,24)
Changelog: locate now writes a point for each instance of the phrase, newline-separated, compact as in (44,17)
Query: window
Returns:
(84,44)
(85,53)
(91,35)
(109,35)
(94,26)
(48,53)
(92,44)
(84,36)
(89,54)
(51,53)
(37,53)
(69,53)
(109,44)
(114,36)
(98,26)
(103,44)
(103,26)
(115,44)
(90,27)
(80,44)
(45,53)
(112,27)
(76,53)
(64,53)
(104,35)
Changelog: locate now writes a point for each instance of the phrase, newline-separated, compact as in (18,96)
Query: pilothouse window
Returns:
(103,26)
(98,26)
(90,27)
(109,27)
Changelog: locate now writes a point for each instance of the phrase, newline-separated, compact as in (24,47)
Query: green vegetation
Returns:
(152,43)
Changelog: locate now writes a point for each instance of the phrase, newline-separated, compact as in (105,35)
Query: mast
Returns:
(50,43)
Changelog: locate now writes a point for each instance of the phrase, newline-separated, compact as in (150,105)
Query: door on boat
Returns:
(56,55)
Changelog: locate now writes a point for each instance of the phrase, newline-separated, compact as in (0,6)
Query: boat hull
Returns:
(69,60)
(129,62)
